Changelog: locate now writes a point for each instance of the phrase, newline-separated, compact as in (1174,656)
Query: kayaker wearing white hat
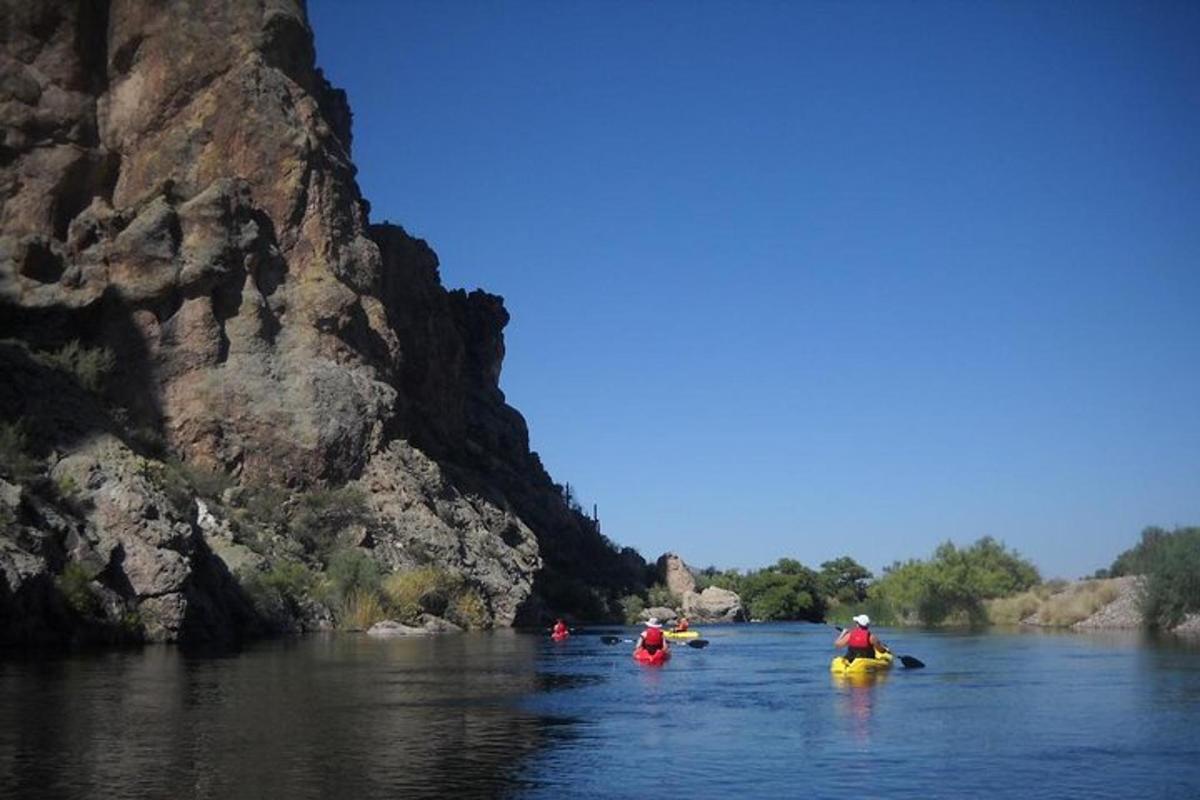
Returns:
(651,640)
(860,642)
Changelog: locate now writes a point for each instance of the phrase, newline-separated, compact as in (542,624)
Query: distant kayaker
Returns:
(651,640)
(560,629)
(682,625)
(860,642)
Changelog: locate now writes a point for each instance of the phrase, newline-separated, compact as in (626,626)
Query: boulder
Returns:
(389,627)
(435,624)
(663,614)
(713,605)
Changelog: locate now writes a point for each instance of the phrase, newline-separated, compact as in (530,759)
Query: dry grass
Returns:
(425,589)
(362,610)
(1056,603)
(1011,610)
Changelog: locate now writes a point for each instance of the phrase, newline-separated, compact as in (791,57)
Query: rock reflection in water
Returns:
(337,716)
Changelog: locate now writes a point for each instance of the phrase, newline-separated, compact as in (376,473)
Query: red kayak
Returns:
(655,659)
(559,637)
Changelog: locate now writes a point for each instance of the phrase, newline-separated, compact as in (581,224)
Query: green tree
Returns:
(953,584)
(845,580)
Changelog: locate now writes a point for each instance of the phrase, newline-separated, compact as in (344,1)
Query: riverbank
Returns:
(1086,605)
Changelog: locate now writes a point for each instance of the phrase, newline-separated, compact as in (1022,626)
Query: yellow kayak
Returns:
(682,634)
(841,666)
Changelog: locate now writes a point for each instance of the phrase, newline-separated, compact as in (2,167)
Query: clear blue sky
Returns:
(817,278)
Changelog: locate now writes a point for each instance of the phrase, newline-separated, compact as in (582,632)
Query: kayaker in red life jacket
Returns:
(560,628)
(681,625)
(652,640)
(860,642)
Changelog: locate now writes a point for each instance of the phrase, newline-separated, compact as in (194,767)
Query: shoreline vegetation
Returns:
(297,558)
(1154,585)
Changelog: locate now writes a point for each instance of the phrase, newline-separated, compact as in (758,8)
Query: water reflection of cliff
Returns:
(334,717)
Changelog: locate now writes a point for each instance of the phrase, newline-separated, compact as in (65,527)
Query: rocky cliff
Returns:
(193,304)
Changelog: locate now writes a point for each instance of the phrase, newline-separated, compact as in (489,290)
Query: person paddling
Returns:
(681,625)
(651,640)
(560,629)
(860,642)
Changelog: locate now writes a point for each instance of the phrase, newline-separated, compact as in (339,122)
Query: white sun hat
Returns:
(863,620)
(653,623)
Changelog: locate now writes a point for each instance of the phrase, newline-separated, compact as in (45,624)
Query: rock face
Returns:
(675,574)
(714,605)
(177,191)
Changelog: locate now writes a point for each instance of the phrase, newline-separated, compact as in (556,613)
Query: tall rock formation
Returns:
(178,193)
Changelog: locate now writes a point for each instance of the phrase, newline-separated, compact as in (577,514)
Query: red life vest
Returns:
(860,639)
(560,628)
(653,637)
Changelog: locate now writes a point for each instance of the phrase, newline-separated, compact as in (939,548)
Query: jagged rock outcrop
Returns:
(177,190)
(675,574)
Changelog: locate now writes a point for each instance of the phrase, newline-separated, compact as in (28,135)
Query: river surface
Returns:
(756,714)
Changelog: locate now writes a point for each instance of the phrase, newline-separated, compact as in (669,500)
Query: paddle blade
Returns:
(911,663)
(611,639)
(699,644)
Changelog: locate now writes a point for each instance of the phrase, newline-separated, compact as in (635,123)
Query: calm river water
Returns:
(756,714)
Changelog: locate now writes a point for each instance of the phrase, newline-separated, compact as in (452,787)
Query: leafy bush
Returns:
(953,585)
(1172,570)
(659,595)
(632,606)
(1141,558)
(1055,603)
(75,585)
(90,367)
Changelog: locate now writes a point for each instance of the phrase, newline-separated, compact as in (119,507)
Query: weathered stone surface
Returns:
(675,574)
(177,187)
(389,627)
(713,605)
(661,613)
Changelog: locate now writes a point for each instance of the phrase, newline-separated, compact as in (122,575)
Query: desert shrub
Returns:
(361,609)
(1172,586)
(204,482)
(322,515)
(632,606)
(16,464)
(278,592)
(351,571)
(90,367)
(468,609)
(75,585)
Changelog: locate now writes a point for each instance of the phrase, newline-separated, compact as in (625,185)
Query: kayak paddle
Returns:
(698,644)
(908,661)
